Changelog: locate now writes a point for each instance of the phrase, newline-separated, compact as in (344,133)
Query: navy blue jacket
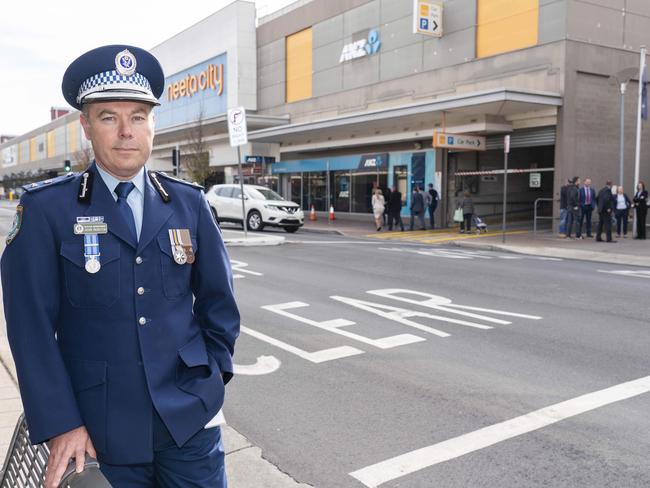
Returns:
(583,197)
(102,350)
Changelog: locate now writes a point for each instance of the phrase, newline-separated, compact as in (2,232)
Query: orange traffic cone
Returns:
(332,212)
(312,214)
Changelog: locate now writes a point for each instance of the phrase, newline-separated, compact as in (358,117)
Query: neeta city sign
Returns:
(361,48)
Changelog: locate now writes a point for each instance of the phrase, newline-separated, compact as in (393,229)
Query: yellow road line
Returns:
(437,237)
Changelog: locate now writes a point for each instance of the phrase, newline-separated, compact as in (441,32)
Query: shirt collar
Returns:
(112,182)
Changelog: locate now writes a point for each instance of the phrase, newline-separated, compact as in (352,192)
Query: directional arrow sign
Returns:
(458,141)
(427,17)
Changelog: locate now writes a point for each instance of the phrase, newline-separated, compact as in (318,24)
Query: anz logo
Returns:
(361,48)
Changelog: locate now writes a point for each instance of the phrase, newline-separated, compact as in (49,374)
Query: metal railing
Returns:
(537,217)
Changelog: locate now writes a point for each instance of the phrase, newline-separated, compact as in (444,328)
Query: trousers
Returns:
(199,463)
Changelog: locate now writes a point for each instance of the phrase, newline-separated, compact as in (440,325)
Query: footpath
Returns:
(519,240)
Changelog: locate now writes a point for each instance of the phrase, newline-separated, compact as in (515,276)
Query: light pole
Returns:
(622,78)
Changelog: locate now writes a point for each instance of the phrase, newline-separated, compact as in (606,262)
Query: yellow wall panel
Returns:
(299,65)
(506,25)
(51,144)
(72,137)
(33,149)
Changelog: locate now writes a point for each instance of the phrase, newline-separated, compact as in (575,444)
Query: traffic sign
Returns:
(427,18)
(458,141)
(535,180)
(237,126)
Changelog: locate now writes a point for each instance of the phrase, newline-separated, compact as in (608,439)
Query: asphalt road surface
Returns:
(396,365)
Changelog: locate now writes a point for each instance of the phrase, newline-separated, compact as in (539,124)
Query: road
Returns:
(351,378)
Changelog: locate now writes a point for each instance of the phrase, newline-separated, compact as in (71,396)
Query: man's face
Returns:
(121,133)
(587,182)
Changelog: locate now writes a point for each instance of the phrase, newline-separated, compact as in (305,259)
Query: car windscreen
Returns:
(263,194)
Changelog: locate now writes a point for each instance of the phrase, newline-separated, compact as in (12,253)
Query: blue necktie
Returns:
(122,191)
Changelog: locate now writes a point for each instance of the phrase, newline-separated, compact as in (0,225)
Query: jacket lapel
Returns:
(103,204)
(156,213)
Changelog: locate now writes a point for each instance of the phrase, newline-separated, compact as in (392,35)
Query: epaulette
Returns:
(179,180)
(39,185)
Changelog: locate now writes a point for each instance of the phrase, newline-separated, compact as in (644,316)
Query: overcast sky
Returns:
(38,39)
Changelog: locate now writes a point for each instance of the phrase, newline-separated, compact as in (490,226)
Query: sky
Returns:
(39,39)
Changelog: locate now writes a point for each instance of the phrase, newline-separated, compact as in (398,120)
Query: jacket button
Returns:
(142,321)
(140,291)
(138,260)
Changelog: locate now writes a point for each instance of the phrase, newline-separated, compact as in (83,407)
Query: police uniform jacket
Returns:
(104,349)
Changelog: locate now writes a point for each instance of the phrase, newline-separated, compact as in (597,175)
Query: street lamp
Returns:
(622,78)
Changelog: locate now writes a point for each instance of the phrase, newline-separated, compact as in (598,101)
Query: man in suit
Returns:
(394,208)
(432,202)
(587,205)
(417,208)
(563,208)
(118,297)
(606,204)
(573,207)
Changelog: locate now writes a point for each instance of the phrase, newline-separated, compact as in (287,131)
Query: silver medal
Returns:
(179,256)
(92,266)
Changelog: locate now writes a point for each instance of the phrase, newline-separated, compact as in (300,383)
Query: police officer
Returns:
(118,296)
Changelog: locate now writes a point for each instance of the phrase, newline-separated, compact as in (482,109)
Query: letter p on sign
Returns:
(237,126)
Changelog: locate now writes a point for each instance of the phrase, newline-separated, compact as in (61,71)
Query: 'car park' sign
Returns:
(458,141)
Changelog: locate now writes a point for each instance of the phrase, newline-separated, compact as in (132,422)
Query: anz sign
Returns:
(361,48)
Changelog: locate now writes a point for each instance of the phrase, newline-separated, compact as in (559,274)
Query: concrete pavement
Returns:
(519,239)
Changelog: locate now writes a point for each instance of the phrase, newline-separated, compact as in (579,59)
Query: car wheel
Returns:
(254,221)
(292,229)
(215,215)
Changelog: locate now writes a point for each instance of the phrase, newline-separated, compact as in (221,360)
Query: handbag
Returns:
(458,215)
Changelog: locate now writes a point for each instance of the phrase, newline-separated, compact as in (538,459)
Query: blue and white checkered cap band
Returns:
(112,80)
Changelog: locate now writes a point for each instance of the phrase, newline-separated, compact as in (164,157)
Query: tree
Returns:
(82,158)
(195,155)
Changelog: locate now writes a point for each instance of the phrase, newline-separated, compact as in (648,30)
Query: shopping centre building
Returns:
(342,95)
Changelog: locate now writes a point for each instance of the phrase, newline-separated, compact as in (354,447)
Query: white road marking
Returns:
(445,304)
(400,315)
(263,365)
(633,273)
(315,357)
(240,267)
(377,474)
(333,326)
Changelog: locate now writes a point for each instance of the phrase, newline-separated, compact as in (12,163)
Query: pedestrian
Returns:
(606,203)
(573,207)
(394,208)
(417,208)
(385,191)
(623,205)
(563,208)
(467,204)
(122,328)
(433,204)
(378,207)
(641,204)
(587,205)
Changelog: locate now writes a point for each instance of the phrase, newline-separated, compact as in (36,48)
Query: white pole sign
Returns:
(427,18)
(237,126)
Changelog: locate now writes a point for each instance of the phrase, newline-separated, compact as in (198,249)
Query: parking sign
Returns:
(427,17)
(237,126)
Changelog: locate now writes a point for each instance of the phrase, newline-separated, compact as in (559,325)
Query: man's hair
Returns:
(608,183)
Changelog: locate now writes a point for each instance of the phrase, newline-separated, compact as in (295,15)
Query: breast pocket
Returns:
(176,277)
(91,290)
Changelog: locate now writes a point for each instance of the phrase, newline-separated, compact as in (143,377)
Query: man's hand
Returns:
(72,444)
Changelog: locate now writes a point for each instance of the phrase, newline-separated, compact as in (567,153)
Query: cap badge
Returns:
(125,63)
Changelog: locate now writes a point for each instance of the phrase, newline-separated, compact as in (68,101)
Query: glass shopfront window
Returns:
(362,186)
(316,190)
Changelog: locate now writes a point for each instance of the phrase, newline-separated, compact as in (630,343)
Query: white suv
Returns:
(263,207)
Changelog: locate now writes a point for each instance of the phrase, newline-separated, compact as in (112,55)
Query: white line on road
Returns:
(633,273)
(263,365)
(314,357)
(377,474)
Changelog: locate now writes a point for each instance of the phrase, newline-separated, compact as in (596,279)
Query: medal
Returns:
(181,245)
(90,228)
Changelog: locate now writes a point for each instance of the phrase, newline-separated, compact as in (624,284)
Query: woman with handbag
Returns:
(466,206)
(641,206)
(378,206)
(622,211)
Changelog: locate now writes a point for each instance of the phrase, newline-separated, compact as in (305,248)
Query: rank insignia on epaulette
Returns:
(15,228)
